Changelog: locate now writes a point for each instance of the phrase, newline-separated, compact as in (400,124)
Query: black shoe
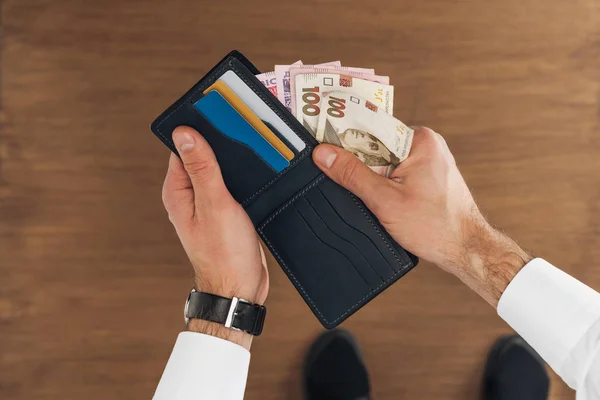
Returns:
(514,371)
(334,369)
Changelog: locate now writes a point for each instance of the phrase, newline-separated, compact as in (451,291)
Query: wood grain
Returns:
(92,274)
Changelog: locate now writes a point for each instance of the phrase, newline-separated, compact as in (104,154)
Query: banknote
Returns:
(282,73)
(334,66)
(269,79)
(359,126)
(354,72)
(361,73)
(308,89)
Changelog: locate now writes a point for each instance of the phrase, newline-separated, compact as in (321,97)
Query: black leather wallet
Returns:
(332,248)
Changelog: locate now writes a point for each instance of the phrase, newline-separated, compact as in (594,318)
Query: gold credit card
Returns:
(252,119)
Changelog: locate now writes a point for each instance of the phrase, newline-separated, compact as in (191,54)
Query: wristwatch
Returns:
(235,313)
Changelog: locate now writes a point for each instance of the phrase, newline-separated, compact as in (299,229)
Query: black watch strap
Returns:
(234,313)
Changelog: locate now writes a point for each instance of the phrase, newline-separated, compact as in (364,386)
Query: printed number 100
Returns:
(311,99)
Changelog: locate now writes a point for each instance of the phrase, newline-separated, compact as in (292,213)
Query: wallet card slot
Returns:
(355,214)
(325,277)
(337,243)
(230,154)
(226,119)
(368,249)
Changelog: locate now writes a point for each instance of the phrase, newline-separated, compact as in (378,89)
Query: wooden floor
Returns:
(92,276)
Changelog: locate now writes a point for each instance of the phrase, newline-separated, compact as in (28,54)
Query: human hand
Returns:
(214,229)
(427,207)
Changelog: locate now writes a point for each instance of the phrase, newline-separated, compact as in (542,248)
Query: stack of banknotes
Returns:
(346,106)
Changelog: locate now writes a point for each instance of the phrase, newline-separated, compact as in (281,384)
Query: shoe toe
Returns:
(334,368)
(515,371)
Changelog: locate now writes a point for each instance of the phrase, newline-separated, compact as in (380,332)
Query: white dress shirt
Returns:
(560,318)
(555,313)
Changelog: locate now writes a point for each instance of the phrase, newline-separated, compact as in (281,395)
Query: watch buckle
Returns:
(187,306)
(233,312)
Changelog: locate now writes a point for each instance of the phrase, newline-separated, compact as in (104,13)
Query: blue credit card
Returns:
(229,122)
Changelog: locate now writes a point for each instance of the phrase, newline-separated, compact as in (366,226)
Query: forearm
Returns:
(487,261)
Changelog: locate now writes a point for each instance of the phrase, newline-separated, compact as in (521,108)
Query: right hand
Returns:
(427,207)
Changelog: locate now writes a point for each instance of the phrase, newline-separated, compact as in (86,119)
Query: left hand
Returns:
(214,229)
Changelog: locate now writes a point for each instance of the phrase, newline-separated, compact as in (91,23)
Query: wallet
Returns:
(332,248)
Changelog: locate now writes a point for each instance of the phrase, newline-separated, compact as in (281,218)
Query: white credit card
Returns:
(260,108)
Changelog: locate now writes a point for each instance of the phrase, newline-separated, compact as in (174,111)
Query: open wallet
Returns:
(332,248)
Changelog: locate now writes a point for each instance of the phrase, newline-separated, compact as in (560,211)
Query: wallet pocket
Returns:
(335,261)
(230,154)
(245,173)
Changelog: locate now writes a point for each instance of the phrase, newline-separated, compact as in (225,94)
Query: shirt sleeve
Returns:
(560,318)
(203,366)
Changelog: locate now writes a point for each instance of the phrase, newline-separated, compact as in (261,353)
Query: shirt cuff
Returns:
(204,366)
(550,309)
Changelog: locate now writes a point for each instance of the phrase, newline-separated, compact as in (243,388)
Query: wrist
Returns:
(489,261)
(228,287)
(217,330)
(224,286)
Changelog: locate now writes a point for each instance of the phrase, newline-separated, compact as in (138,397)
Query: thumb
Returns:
(202,167)
(348,171)
(177,193)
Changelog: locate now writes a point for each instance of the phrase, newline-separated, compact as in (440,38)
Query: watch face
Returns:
(187,305)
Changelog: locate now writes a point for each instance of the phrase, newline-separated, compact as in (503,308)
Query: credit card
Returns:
(252,119)
(260,108)
(229,122)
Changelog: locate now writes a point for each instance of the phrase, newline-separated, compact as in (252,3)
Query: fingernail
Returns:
(325,156)
(184,141)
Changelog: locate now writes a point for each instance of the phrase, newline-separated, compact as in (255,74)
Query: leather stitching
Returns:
(376,229)
(293,199)
(298,285)
(209,81)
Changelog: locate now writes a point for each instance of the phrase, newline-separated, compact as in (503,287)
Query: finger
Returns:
(424,141)
(177,192)
(201,165)
(427,143)
(348,171)
(445,149)
(424,138)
